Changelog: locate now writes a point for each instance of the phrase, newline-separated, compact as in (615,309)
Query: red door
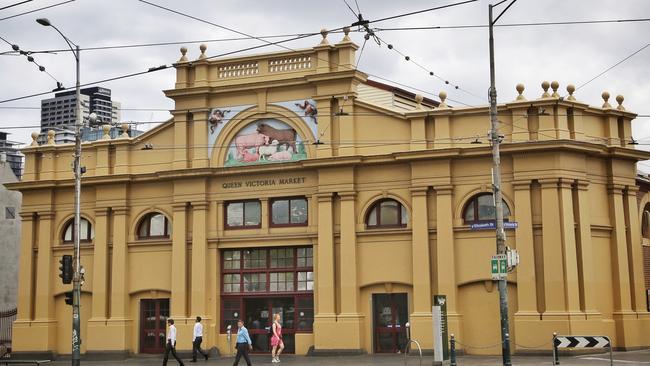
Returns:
(153,319)
(390,313)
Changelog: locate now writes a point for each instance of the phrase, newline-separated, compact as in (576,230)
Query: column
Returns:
(26,268)
(118,331)
(421,321)
(200,139)
(571,285)
(585,250)
(179,262)
(44,324)
(526,285)
(21,336)
(326,335)
(97,322)
(624,317)
(350,320)
(554,294)
(199,258)
(445,265)
(635,251)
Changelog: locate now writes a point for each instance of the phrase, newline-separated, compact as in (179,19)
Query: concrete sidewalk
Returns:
(631,358)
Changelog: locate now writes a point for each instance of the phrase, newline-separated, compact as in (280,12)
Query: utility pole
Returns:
(495,139)
(77,277)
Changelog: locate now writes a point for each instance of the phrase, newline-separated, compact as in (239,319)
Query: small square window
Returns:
(10,213)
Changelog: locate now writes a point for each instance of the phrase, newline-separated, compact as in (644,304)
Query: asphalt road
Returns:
(631,358)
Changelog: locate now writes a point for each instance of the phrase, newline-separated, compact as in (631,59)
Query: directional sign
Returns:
(499,266)
(492,225)
(581,342)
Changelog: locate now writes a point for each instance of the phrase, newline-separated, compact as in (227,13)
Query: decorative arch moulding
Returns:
(251,135)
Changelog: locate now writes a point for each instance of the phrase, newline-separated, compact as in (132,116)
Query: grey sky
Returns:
(567,53)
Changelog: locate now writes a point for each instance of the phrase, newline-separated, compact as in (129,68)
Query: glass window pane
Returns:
(298,211)
(281,258)
(83,229)
(68,232)
(486,207)
(389,214)
(469,212)
(143,231)
(405,215)
(254,282)
(253,212)
(255,258)
(305,257)
(280,212)
(372,217)
(235,214)
(157,224)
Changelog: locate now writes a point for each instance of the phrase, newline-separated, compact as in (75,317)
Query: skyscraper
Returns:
(10,154)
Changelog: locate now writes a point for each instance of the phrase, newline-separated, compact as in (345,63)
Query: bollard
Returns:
(556,357)
(452,351)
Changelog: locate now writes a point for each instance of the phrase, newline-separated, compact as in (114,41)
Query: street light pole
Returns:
(495,139)
(76,278)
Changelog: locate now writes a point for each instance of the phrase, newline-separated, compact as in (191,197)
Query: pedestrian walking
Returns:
(276,339)
(171,343)
(197,338)
(244,344)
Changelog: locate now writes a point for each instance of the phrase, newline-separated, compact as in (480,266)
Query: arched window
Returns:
(387,213)
(154,226)
(645,222)
(86,231)
(480,208)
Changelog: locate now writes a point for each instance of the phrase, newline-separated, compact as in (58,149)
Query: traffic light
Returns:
(66,269)
(68,298)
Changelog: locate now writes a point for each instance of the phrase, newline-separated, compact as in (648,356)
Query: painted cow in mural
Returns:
(268,150)
(284,136)
(244,142)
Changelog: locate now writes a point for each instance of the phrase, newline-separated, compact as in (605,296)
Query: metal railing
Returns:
(408,345)
(6,320)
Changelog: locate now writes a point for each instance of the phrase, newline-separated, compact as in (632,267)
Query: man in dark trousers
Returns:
(197,338)
(244,344)
(171,343)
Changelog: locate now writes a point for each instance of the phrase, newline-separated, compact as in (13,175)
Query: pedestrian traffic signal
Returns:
(68,298)
(66,269)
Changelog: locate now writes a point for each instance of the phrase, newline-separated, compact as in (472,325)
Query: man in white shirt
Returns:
(197,339)
(171,343)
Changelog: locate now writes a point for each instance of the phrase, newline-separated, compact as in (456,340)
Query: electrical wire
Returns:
(35,10)
(421,11)
(613,66)
(532,24)
(16,4)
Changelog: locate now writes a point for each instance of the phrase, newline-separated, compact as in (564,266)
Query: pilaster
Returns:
(179,262)
(325,330)
(200,138)
(26,267)
(526,284)
(44,324)
(420,318)
(117,333)
(96,326)
(585,250)
(180,141)
(199,258)
(571,283)
(554,291)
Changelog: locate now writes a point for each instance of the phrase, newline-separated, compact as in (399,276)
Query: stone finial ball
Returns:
(419,98)
(183,50)
(570,88)
(346,30)
(106,128)
(555,85)
(203,47)
(323,32)
(620,99)
(442,95)
(124,127)
(35,135)
(545,85)
(520,88)
(605,95)
(51,133)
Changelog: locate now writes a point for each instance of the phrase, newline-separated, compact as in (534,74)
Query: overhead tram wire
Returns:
(16,4)
(35,10)
(528,24)
(613,66)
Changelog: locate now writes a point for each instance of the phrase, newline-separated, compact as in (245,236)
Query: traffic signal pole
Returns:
(495,140)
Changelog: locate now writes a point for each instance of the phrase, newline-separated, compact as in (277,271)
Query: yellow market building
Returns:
(290,183)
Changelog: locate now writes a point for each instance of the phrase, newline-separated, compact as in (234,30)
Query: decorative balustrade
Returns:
(239,70)
(290,64)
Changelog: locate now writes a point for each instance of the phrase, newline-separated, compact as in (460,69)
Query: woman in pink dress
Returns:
(276,339)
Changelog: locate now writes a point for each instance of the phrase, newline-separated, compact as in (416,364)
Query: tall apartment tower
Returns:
(58,113)
(10,154)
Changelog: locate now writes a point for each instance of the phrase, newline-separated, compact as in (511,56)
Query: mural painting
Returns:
(265,141)
(281,143)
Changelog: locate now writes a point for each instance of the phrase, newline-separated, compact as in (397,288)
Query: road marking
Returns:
(621,361)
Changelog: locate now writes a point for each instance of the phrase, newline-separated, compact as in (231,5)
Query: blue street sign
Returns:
(491,225)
